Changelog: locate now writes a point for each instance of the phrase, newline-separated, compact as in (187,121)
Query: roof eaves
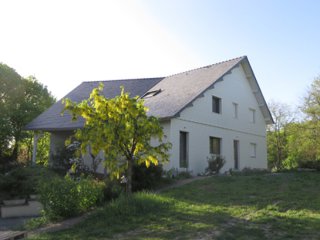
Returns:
(269,118)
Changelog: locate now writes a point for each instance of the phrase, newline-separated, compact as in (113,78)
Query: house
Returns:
(218,109)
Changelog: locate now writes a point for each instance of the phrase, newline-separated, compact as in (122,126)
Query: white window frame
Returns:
(253,150)
(252,115)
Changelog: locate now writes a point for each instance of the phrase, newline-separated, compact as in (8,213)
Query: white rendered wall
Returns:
(57,141)
(201,123)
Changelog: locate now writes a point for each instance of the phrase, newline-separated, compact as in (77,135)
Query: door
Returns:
(236,153)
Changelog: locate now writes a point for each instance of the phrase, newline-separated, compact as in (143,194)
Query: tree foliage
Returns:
(293,143)
(277,134)
(121,129)
(22,99)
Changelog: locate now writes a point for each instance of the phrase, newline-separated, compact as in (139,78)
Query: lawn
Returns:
(276,206)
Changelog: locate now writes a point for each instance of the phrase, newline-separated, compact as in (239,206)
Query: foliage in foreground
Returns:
(121,128)
(65,197)
(273,206)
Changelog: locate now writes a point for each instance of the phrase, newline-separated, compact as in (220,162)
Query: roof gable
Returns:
(180,90)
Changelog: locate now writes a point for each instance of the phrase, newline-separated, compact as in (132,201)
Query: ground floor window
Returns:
(253,150)
(215,145)
(184,149)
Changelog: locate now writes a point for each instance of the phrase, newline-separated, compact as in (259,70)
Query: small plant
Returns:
(215,163)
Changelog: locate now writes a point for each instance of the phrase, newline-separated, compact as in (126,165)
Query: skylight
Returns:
(151,93)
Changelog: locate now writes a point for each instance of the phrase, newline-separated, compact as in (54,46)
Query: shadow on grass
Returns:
(287,191)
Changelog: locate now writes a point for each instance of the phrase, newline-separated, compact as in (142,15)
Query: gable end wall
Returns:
(201,123)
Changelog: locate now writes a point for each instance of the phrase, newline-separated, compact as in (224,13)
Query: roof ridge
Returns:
(210,65)
(116,80)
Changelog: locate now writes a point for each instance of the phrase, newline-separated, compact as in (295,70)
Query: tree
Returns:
(311,108)
(121,129)
(277,133)
(22,99)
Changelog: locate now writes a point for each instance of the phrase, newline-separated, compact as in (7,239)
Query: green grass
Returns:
(281,206)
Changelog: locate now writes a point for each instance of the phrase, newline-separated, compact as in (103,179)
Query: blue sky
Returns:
(64,43)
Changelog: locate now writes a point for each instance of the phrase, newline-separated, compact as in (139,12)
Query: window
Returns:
(236,153)
(215,145)
(235,110)
(253,150)
(252,115)
(216,104)
(183,149)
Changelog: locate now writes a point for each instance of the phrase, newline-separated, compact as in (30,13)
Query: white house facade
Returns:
(239,127)
(218,109)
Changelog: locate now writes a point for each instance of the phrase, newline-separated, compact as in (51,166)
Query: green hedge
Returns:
(65,197)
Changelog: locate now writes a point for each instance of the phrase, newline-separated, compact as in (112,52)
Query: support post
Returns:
(35,146)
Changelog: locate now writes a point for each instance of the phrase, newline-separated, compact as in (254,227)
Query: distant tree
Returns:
(121,128)
(311,108)
(22,99)
(277,133)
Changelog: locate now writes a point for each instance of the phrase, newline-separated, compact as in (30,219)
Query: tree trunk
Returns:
(14,154)
(129,176)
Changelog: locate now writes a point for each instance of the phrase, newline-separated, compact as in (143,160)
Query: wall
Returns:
(201,123)
(57,141)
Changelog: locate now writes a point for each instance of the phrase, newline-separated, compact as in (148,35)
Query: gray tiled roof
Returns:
(177,92)
(52,120)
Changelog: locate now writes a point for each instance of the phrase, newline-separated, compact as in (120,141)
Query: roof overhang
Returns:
(256,91)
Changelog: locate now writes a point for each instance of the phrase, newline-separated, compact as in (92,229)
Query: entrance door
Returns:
(236,153)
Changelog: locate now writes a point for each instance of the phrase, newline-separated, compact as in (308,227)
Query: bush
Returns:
(144,178)
(249,172)
(215,163)
(309,164)
(112,190)
(21,182)
(65,197)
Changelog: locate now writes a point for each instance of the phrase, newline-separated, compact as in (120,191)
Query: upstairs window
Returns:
(235,110)
(216,104)
(252,115)
(215,145)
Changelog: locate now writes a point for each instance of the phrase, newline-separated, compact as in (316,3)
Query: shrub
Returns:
(22,181)
(215,163)
(249,172)
(144,178)
(65,197)
(112,190)
(309,164)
